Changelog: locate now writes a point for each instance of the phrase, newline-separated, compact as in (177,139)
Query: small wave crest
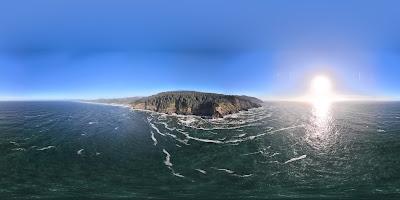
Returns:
(168,164)
(295,159)
(46,148)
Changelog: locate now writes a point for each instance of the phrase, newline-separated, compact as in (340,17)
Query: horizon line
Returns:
(263,99)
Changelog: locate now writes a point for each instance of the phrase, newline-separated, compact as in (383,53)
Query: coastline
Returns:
(173,114)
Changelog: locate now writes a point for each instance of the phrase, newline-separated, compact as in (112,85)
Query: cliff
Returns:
(196,103)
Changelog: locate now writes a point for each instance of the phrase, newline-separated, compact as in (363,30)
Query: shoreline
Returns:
(160,113)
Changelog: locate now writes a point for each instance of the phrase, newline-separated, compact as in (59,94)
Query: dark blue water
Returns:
(70,150)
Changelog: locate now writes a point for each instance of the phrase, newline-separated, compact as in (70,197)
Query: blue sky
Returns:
(270,49)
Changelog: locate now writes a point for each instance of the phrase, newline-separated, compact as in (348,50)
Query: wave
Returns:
(153,138)
(295,159)
(253,153)
(18,149)
(201,171)
(263,134)
(14,143)
(32,116)
(220,128)
(177,174)
(241,135)
(240,138)
(233,173)
(46,148)
(79,152)
(225,170)
(274,154)
(169,164)
(166,126)
(201,139)
(229,122)
(155,128)
(167,160)
(185,142)
(243,176)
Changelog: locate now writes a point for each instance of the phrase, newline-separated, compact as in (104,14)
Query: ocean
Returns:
(284,150)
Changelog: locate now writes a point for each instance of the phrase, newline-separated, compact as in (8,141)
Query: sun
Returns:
(321,86)
(321,95)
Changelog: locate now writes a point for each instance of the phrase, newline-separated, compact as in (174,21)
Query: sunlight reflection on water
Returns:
(320,131)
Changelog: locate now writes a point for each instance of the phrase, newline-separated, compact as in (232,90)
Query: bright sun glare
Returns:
(321,95)
(321,86)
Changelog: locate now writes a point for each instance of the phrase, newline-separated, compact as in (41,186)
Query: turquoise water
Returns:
(70,150)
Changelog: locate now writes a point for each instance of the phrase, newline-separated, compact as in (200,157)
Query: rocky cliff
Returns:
(196,103)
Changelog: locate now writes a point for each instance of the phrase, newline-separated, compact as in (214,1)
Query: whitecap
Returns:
(247,154)
(18,149)
(169,164)
(32,116)
(177,174)
(167,160)
(166,126)
(156,129)
(243,176)
(116,128)
(90,123)
(46,148)
(221,128)
(172,135)
(185,142)
(225,170)
(380,131)
(262,134)
(201,171)
(153,138)
(274,154)
(295,159)
(231,172)
(79,152)
(202,140)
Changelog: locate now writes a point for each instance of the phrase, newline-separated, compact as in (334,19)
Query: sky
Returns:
(70,49)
